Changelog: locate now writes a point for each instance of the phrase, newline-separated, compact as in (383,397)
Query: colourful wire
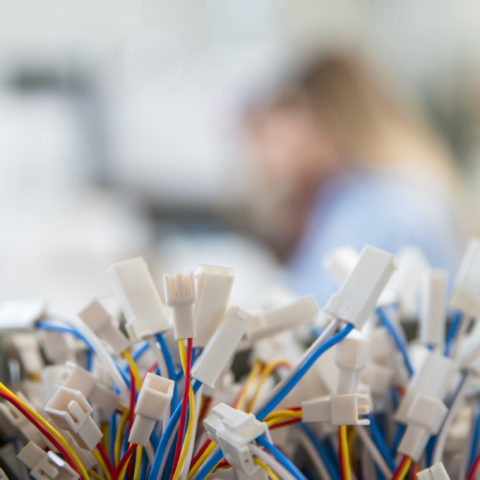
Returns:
(402,468)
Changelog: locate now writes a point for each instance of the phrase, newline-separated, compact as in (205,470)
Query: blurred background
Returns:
(256,134)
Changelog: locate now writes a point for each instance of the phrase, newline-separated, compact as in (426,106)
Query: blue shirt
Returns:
(382,210)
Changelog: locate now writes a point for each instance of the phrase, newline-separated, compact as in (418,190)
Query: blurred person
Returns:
(344,162)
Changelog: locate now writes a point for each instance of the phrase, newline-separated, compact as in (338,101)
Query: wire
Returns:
(266,468)
(343,455)
(133,369)
(267,371)
(104,461)
(138,462)
(299,372)
(200,457)
(119,436)
(124,462)
(385,321)
(240,401)
(47,430)
(281,471)
(95,475)
(474,445)
(452,413)
(474,468)
(209,465)
(170,366)
(280,457)
(380,443)
(374,452)
(452,333)
(402,468)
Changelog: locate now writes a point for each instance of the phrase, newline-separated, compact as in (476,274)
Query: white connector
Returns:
(465,296)
(424,417)
(70,410)
(76,377)
(233,431)
(433,301)
(153,400)
(300,312)
(213,291)
(138,297)
(101,323)
(339,262)
(358,295)
(24,347)
(221,346)
(351,358)
(435,472)
(180,295)
(45,465)
(337,409)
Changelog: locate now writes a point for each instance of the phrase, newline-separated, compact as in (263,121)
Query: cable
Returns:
(385,321)
(374,452)
(402,468)
(280,457)
(107,466)
(266,468)
(379,442)
(277,467)
(138,462)
(302,369)
(343,455)
(240,401)
(314,457)
(119,437)
(209,465)
(133,369)
(474,445)
(452,333)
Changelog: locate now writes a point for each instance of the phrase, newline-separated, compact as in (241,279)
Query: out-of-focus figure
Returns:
(343,162)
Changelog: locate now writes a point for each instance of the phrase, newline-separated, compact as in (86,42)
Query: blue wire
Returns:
(162,445)
(140,350)
(88,360)
(452,333)
(302,370)
(385,321)
(112,430)
(143,469)
(209,465)
(474,446)
(396,439)
(332,471)
(59,328)
(170,367)
(379,442)
(281,458)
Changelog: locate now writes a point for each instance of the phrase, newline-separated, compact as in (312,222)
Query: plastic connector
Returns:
(153,400)
(432,316)
(425,417)
(337,409)
(351,358)
(21,314)
(45,465)
(214,285)
(221,346)
(138,297)
(25,347)
(233,431)
(101,323)
(339,262)
(180,295)
(300,312)
(467,282)
(70,410)
(435,472)
(76,377)
(358,295)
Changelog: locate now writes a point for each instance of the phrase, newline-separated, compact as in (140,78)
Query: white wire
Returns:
(447,423)
(372,448)
(326,334)
(282,472)
(99,348)
(312,453)
(150,453)
(158,355)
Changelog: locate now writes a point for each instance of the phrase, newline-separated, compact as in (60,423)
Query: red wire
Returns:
(340,457)
(183,416)
(40,427)
(199,453)
(150,370)
(414,470)
(131,414)
(107,461)
(471,475)
(205,407)
(285,423)
(399,467)
(126,457)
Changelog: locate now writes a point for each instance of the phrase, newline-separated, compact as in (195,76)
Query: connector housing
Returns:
(339,262)
(101,323)
(152,402)
(180,295)
(45,465)
(138,297)
(70,410)
(214,285)
(358,295)
(233,430)
(465,296)
(221,346)
(435,472)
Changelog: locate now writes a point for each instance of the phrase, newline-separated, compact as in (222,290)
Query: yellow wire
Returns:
(102,464)
(95,475)
(271,474)
(191,416)
(83,472)
(105,439)
(248,384)
(124,469)
(133,368)
(350,439)
(117,446)
(404,470)
(281,415)
(200,461)
(345,454)
(265,374)
(138,463)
